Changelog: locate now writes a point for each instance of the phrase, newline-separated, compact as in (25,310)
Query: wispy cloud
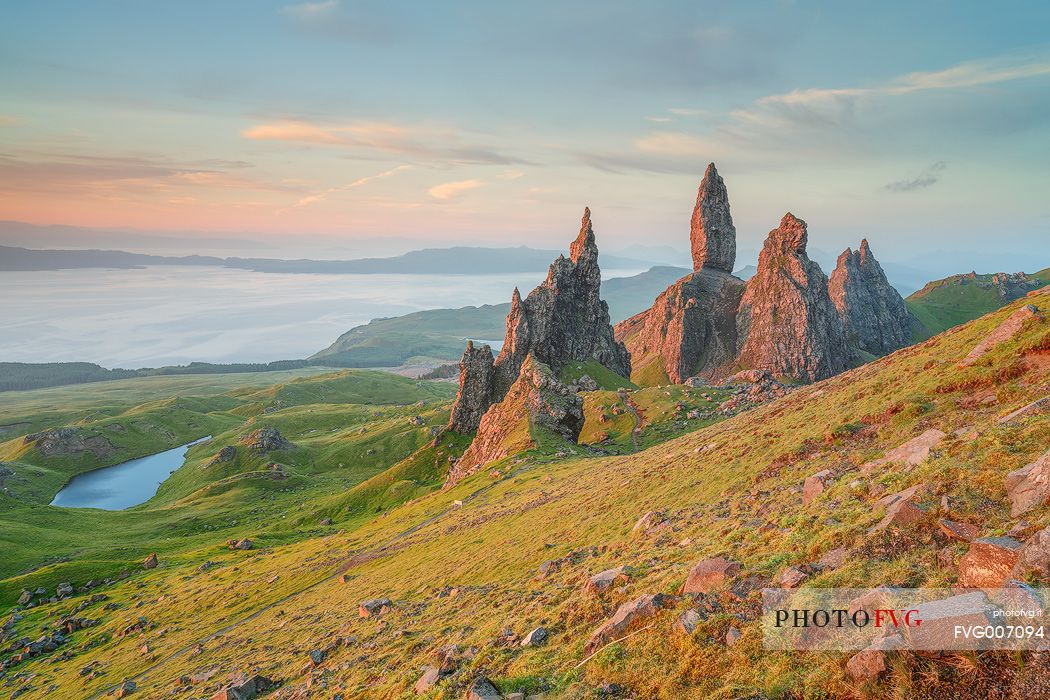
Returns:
(310,9)
(450,190)
(435,145)
(324,194)
(927,177)
(816,123)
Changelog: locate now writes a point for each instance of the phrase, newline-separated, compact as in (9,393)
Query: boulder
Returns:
(901,510)
(872,662)
(940,618)
(814,485)
(626,615)
(150,562)
(125,689)
(1034,557)
(688,621)
(733,636)
(834,558)
(873,314)
(709,574)
(225,455)
(1029,486)
(911,453)
(66,442)
(786,323)
(989,562)
(792,577)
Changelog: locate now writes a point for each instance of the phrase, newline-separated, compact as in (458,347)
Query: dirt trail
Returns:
(637,428)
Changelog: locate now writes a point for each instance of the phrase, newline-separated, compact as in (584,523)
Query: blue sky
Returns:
(923,126)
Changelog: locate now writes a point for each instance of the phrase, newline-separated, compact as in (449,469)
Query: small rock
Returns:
(535,638)
(964,532)
(815,485)
(375,607)
(150,562)
(601,582)
(834,559)
(732,636)
(650,522)
(989,562)
(709,574)
(792,577)
(688,621)
(482,689)
(430,678)
(126,688)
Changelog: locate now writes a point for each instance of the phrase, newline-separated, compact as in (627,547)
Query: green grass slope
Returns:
(463,564)
(946,303)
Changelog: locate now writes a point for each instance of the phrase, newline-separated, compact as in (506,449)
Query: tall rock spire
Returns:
(584,245)
(873,314)
(712,234)
(562,320)
(786,323)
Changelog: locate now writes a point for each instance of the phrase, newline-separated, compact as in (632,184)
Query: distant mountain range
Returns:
(461,260)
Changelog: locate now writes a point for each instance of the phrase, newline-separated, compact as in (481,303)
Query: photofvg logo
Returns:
(932,619)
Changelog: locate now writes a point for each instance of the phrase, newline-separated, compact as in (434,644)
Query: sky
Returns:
(924,126)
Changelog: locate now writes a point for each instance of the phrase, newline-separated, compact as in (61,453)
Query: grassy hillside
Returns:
(346,427)
(945,303)
(463,565)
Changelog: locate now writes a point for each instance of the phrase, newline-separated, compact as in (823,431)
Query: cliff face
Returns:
(787,323)
(562,320)
(691,325)
(873,314)
(536,401)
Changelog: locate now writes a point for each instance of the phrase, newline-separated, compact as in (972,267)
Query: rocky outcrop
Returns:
(786,323)
(691,326)
(536,401)
(266,440)
(65,442)
(475,388)
(712,235)
(562,320)
(873,314)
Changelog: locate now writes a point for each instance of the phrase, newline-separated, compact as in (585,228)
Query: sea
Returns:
(156,316)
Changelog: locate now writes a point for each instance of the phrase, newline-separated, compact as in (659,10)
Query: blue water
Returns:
(122,485)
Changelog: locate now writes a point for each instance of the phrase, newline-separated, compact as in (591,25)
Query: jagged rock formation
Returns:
(873,314)
(536,401)
(475,388)
(562,320)
(692,324)
(712,234)
(786,323)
